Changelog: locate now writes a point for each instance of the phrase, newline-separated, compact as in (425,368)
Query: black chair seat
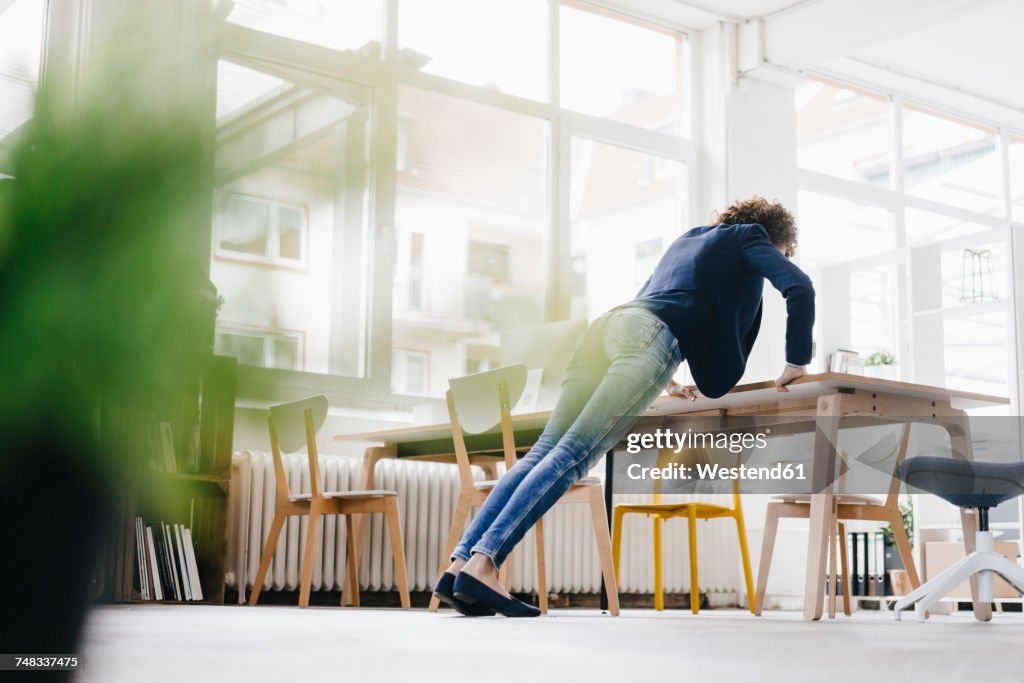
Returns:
(963,483)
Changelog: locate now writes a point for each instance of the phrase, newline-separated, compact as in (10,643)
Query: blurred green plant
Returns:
(98,273)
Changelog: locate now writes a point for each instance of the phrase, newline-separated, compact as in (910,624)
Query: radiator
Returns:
(427,493)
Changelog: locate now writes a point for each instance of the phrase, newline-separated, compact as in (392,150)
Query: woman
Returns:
(701,304)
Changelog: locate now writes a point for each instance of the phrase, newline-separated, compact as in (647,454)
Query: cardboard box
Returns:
(939,556)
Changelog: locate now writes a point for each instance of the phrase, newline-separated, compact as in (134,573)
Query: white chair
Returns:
(293,425)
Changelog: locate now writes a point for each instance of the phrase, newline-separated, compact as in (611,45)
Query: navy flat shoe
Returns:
(474,592)
(444,591)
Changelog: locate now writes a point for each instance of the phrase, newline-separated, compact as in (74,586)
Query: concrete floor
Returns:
(193,644)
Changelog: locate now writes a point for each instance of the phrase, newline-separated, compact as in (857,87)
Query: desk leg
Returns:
(370,458)
(822,475)
(959,431)
(609,469)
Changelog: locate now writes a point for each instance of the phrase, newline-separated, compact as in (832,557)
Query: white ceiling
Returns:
(959,53)
(743,8)
(977,53)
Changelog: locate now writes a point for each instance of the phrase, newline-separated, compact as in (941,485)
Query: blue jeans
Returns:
(623,362)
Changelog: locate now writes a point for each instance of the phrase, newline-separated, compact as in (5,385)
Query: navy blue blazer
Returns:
(707,288)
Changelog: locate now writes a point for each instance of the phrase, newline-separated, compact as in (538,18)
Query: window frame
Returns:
(50,32)
(896,199)
(267,335)
(274,259)
(325,68)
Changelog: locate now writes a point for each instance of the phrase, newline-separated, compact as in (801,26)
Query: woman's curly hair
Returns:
(772,216)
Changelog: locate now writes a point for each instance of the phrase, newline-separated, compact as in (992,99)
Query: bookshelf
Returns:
(183,478)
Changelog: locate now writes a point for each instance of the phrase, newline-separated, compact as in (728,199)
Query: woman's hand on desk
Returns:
(677,389)
(789,373)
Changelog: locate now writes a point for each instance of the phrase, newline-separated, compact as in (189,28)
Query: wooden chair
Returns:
(477,403)
(291,426)
(845,507)
(692,511)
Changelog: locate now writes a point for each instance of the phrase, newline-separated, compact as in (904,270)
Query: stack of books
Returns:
(165,560)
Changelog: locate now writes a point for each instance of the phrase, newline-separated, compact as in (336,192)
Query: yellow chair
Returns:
(692,512)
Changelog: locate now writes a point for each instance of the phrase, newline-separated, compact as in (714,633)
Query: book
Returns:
(165,555)
(167,447)
(197,589)
(162,575)
(186,583)
(140,559)
(154,572)
(154,456)
(147,561)
(172,561)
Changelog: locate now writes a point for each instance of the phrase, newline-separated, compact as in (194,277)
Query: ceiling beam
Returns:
(814,32)
(674,14)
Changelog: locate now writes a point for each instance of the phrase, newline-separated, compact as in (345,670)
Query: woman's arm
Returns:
(765,259)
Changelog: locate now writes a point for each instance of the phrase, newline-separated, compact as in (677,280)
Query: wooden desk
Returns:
(822,399)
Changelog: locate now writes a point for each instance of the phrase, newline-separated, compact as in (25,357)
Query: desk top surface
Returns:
(807,387)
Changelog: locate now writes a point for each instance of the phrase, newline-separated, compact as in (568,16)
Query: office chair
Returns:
(965,484)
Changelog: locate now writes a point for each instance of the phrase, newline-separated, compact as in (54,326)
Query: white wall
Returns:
(760,157)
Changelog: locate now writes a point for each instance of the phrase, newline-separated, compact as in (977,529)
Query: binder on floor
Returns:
(879,575)
(862,567)
(854,556)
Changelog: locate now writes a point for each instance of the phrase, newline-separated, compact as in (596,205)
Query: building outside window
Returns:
(410,372)
(291,214)
(414,210)
(261,230)
(280,350)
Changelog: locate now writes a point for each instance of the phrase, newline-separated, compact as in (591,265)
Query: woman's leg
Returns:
(585,371)
(644,355)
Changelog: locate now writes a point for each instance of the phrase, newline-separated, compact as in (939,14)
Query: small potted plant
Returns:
(880,364)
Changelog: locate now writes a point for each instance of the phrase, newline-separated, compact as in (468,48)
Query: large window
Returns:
(951,161)
(499,44)
(835,229)
(401,190)
(1016,156)
(843,131)
(922,273)
(21,43)
(290,220)
(625,206)
(338,24)
(623,70)
(470,212)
